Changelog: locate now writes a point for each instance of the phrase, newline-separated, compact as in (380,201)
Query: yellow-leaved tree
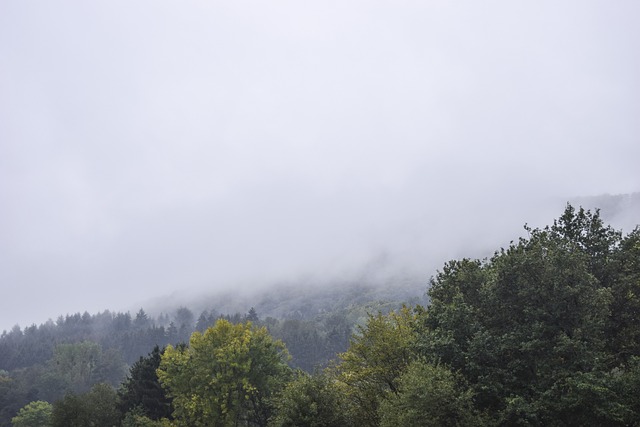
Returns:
(226,376)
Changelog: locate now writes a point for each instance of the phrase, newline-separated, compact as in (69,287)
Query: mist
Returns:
(156,148)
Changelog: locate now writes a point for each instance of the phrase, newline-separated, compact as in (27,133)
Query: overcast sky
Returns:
(149,147)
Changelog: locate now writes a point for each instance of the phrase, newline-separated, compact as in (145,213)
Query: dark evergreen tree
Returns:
(142,389)
(142,320)
(202,323)
(252,315)
(171,332)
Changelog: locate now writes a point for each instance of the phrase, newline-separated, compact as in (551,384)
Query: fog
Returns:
(152,148)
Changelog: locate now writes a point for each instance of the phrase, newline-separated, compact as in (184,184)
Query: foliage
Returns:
(136,418)
(317,329)
(623,330)
(429,395)
(75,363)
(545,332)
(304,340)
(76,367)
(13,397)
(536,329)
(98,407)
(228,375)
(142,389)
(376,358)
(34,414)
(311,401)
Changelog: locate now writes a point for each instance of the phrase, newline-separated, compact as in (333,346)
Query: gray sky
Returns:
(152,146)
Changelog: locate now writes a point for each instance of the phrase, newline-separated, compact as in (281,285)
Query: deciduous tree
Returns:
(531,328)
(372,365)
(98,407)
(34,414)
(227,376)
(311,401)
(429,395)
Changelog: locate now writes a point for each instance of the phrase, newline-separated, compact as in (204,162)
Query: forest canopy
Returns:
(545,332)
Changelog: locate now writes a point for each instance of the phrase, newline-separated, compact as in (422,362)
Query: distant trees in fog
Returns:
(545,332)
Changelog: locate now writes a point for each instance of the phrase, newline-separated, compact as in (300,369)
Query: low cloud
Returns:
(153,148)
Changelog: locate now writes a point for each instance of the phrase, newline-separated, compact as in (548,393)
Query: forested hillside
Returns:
(76,351)
(545,332)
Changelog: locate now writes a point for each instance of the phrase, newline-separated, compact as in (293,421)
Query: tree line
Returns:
(546,332)
(107,344)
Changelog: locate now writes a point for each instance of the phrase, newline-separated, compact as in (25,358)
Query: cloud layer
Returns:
(152,146)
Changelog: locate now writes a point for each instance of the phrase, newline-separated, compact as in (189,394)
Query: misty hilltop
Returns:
(285,170)
(552,317)
(381,283)
(197,147)
(385,278)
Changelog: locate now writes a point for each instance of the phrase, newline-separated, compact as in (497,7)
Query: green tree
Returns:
(98,408)
(76,364)
(531,328)
(142,320)
(252,315)
(76,367)
(586,232)
(429,395)
(34,414)
(136,418)
(613,259)
(372,365)
(303,341)
(13,395)
(311,401)
(142,389)
(623,327)
(227,376)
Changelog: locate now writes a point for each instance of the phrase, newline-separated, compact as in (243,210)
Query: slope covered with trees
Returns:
(77,351)
(545,332)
